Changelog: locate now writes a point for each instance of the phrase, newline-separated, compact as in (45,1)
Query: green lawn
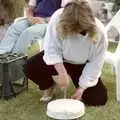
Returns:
(28,107)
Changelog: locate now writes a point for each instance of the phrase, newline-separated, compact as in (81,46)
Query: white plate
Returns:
(65,109)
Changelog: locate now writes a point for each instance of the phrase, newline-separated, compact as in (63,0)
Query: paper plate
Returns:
(65,109)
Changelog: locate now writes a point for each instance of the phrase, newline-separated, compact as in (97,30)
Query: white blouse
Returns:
(76,50)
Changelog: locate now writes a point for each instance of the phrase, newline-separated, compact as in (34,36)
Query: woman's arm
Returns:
(52,45)
(92,69)
(29,10)
(63,81)
(53,51)
(30,7)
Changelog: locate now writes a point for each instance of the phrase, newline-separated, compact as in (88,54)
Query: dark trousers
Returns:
(41,74)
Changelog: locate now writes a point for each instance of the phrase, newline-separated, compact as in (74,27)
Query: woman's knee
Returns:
(36,70)
(95,96)
(38,30)
(20,25)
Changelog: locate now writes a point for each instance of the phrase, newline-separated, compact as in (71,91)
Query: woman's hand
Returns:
(30,15)
(36,20)
(78,94)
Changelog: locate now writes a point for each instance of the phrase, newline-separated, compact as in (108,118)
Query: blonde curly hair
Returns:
(76,17)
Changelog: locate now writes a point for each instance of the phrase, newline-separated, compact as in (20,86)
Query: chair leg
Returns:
(117,69)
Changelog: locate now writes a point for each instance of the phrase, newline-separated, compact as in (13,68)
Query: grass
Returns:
(15,8)
(27,106)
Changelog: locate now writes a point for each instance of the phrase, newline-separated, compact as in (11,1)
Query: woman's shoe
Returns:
(45,98)
(48,95)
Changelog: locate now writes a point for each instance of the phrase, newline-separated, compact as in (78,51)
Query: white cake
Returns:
(65,109)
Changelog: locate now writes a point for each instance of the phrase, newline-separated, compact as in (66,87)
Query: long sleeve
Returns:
(52,45)
(92,70)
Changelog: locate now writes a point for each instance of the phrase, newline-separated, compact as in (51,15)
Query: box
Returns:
(12,78)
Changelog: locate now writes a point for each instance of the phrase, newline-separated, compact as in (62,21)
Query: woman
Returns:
(22,33)
(75,45)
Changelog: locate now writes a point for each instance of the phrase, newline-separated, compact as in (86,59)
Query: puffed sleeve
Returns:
(52,45)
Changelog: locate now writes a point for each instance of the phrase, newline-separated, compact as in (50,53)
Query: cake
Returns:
(65,109)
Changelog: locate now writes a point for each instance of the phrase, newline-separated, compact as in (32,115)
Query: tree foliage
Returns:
(116,6)
(13,8)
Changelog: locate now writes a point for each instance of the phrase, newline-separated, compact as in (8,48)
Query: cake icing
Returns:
(65,109)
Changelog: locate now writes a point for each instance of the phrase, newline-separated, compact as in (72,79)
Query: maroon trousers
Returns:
(41,74)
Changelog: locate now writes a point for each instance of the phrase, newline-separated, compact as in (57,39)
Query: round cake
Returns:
(65,109)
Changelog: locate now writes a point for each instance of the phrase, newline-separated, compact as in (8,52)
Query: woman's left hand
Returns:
(39,20)
(36,20)
(78,94)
